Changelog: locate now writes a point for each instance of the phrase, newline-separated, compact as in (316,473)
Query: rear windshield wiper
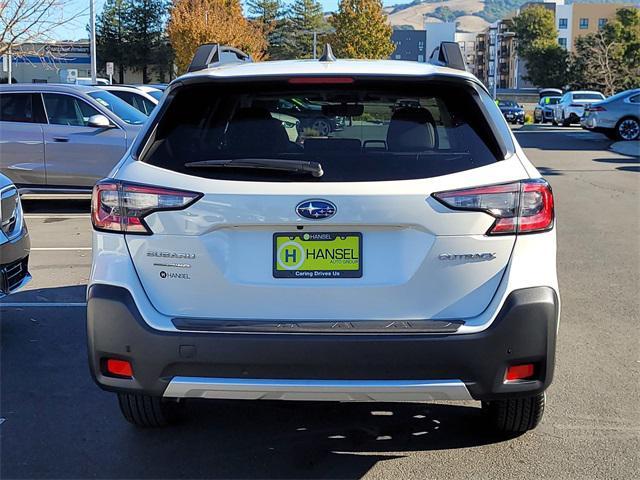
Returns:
(314,168)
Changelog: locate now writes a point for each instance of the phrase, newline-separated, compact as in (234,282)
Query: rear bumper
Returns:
(324,366)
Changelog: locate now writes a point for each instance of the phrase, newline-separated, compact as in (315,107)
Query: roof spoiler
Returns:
(448,54)
(214,54)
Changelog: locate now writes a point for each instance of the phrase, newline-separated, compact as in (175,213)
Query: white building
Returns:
(564,24)
(437,33)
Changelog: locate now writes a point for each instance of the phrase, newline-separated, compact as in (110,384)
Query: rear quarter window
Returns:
(366,131)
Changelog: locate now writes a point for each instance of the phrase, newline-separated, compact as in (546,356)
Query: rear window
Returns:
(588,96)
(364,131)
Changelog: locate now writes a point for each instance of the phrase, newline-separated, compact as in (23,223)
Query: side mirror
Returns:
(99,121)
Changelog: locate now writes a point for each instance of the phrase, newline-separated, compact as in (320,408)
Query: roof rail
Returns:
(448,54)
(211,54)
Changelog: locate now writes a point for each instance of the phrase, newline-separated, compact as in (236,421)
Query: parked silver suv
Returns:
(57,138)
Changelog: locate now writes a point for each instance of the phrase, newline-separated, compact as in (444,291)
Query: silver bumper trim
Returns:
(317,390)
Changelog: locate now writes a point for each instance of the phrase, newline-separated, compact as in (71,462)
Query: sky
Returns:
(77,30)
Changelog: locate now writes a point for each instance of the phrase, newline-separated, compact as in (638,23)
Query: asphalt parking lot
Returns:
(55,423)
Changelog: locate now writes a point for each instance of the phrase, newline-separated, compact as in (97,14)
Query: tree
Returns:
(362,30)
(270,14)
(547,62)
(609,60)
(304,18)
(112,36)
(535,28)
(27,21)
(146,19)
(548,66)
(194,22)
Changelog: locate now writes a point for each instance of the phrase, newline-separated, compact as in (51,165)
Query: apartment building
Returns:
(496,60)
(418,45)
(467,42)
(579,19)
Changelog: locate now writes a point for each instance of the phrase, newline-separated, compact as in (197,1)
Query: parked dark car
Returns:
(513,112)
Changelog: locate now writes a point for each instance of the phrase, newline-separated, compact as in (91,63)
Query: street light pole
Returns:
(496,66)
(499,37)
(315,44)
(92,41)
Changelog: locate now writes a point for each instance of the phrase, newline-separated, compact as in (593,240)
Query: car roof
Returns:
(587,91)
(127,88)
(49,87)
(338,67)
(146,88)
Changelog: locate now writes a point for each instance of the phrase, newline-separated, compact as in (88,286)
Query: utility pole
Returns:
(92,41)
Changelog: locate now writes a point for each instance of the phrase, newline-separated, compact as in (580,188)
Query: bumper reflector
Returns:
(520,372)
(121,368)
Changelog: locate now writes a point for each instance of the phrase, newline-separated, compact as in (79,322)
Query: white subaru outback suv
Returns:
(409,256)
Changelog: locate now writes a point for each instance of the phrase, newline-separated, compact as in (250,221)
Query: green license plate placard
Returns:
(317,255)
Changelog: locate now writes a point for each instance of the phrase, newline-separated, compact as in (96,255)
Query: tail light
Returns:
(576,105)
(519,207)
(121,207)
(596,109)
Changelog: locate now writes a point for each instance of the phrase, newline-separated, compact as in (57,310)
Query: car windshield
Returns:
(122,109)
(552,100)
(373,132)
(588,96)
(157,94)
(507,103)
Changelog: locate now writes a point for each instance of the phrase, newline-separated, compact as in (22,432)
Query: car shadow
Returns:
(48,394)
(63,294)
(303,440)
(56,205)
(549,171)
(618,160)
(634,168)
(541,138)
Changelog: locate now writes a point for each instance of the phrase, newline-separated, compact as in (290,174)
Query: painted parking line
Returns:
(57,215)
(58,249)
(42,304)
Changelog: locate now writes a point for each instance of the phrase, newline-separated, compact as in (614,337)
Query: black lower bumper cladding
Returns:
(523,332)
(14,262)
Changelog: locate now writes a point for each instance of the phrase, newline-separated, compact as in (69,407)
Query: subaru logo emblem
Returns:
(316,209)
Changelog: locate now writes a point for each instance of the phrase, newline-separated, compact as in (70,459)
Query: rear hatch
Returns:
(364,240)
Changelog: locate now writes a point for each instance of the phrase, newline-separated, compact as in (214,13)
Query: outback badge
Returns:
(316,209)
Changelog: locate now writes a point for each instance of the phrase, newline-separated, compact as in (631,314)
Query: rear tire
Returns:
(515,415)
(149,412)
(628,129)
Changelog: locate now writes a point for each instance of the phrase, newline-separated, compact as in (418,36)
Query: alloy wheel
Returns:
(629,129)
